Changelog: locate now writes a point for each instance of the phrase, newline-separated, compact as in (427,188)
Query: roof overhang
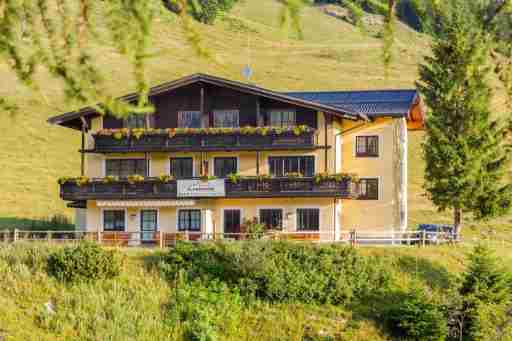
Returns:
(73,119)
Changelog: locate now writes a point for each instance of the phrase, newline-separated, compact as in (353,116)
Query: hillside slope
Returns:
(332,55)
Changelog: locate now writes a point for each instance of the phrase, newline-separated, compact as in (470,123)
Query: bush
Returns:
(414,317)
(283,271)
(86,262)
(206,11)
(206,312)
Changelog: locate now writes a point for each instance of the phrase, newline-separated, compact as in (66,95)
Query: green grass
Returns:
(136,305)
(333,55)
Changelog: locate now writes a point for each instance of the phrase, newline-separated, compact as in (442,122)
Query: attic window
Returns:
(189,119)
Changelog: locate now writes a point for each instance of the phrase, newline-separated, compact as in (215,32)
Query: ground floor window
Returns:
(369,189)
(189,220)
(308,219)
(114,220)
(272,218)
(149,220)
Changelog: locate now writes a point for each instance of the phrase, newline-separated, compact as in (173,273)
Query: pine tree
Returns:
(467,150)
(486,294)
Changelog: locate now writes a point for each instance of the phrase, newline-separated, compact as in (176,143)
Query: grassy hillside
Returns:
(138,304)
(333,55)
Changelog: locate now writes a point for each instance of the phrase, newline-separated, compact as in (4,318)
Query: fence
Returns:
(166,239)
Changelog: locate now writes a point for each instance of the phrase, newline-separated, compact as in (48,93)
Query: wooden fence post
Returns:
(161,240)
(15,236)
(49,236)
(423,238)
(98,237)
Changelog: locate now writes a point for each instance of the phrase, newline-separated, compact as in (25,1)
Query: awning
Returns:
(145,203)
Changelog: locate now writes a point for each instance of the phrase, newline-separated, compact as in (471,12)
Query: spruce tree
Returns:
(467,149)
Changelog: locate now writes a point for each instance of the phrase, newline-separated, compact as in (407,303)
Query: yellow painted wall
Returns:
(371,215)
(248,207)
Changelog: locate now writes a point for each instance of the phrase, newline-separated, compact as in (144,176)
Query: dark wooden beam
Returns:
(258,162)
(326,152)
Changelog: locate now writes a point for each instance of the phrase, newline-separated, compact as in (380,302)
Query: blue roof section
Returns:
(372,102)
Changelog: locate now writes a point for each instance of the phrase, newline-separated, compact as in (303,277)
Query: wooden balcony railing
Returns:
(205,142)
(153,188)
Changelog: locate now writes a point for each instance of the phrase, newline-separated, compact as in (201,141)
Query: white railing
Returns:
(167,239)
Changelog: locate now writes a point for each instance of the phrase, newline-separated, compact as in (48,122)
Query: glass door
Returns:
(232,224)
(148,225)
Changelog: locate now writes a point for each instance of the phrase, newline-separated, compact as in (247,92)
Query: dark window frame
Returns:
(281,118)
(140,121)
(268,213)
(182,123)
(312,218)
(370,147)
(369,193)
(115,220)
(225,173)
(142,215)
(172,170)
(134,168)
(189,219)
(305,164)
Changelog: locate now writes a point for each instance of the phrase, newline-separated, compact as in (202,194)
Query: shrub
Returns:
(206,312)
(88,261)
(415,317)
(283,271)
(206,11)
(253,228)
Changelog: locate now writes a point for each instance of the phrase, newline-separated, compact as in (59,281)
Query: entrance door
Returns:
(148,225)
(232,223)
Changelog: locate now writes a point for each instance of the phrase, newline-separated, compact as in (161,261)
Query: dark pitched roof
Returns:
(373,103)
(71,119)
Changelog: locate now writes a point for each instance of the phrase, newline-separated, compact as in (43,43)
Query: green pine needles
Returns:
(467,149)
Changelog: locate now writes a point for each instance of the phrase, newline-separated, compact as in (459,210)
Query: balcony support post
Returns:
(327,122)
(259,118)
(258,162)
(82,150)
(146,160)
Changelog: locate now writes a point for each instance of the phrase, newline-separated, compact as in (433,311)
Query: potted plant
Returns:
(135,178)
(165,178)
(82,180)
(234,178)
(207,177)
(110,179)
(294,175)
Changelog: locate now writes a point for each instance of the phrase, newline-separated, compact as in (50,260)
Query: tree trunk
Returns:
(457,217)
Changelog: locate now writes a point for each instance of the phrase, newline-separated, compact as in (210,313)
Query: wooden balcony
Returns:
(236,141)
(152,188)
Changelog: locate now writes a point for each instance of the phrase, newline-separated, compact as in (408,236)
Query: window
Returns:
(282,118)
(189,220)
(135,121)
(272,218)
(182,167)
(223,166)
(113,220)
(308,219)
(148,220)
(225,118)
(367,146)
(369,189)
(189,119)
(124,167)
(282,165)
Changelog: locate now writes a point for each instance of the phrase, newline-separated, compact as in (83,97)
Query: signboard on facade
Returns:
(200,188)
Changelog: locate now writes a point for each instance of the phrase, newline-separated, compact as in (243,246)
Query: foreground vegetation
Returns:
(241,291)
